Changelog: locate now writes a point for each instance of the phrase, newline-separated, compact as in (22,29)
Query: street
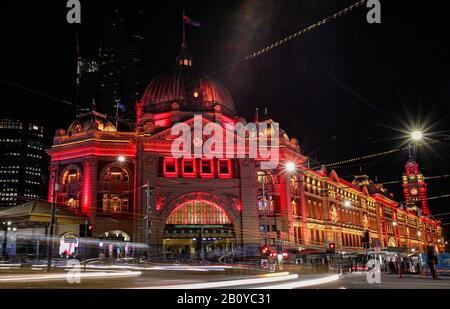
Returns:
(170,277)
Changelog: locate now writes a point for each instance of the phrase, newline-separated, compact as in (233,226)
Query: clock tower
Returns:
(414,186)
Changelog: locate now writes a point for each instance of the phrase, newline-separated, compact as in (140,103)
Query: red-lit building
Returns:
(119,179)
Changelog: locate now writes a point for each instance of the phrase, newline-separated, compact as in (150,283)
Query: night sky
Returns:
(344,90)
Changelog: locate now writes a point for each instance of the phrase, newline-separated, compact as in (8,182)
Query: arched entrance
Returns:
(114,244)
(198,229)
(68,245)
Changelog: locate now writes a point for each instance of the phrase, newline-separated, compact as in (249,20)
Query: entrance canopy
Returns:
(38,212)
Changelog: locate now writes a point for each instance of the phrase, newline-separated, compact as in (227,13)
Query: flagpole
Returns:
(183,45)
(117,114)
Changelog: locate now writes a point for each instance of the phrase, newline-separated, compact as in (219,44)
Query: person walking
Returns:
(432,261)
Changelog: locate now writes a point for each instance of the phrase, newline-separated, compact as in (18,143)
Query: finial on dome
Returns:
(93,107)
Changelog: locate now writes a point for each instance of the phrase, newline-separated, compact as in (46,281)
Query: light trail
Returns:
(270,278)
(64,276)
(302,283)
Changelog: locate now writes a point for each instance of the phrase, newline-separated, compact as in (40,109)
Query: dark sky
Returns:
(344,90)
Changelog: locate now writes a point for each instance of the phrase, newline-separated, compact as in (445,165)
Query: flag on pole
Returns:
(189,21)
(120,106)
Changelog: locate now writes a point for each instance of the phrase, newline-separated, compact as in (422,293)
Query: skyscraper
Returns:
(120,65)
(23,162)
(89,70)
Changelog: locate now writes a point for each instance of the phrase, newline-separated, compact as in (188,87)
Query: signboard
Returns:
(71,239)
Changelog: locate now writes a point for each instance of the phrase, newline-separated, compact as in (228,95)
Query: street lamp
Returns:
(394,223)
(290,167)
(416,135)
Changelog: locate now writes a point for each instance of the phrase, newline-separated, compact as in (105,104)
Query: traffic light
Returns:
(86,230)
(90,229)
(366,239)
(331,248)
(265,250)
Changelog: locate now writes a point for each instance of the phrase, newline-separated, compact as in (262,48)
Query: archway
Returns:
(70,186)
(68,245)
(115,187)
(114,244)
(198,228)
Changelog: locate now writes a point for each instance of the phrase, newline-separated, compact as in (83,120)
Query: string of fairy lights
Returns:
(305,30)
(375,155)
(293,36)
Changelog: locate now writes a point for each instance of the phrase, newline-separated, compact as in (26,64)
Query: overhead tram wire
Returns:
(37,92)
(293,36)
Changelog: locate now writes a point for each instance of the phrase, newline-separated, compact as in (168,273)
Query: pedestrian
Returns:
(432,261)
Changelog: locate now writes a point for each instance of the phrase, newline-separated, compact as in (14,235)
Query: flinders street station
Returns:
(125,189)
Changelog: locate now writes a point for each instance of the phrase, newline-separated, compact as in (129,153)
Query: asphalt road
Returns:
(388,281)
(175,277)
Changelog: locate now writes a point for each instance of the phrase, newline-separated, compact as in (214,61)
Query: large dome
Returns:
(189,87)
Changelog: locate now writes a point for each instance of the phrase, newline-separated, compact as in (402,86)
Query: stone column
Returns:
(89,188)
(249,214)
(286,225)
(304,228)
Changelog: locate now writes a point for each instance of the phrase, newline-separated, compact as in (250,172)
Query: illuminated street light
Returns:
(121,159)
(347,203)
(394,223)
(413,250)
(290,167)
(416,135)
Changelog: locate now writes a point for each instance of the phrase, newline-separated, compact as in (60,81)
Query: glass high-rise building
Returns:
(23,162)
(120,65)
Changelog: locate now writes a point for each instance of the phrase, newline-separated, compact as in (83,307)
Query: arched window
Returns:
(71,176)
(116,174)
(116,186)
(198,212)
(264,177)
(70,190)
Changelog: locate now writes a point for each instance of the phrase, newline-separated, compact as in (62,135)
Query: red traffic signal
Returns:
(265,250)
(331,248)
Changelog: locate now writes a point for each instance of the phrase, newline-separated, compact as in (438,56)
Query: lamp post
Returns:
(6,227)
(52,219)
(148,212)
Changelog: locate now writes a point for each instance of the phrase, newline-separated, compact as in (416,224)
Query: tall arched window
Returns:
(70,190)
(198,212)
(116,188)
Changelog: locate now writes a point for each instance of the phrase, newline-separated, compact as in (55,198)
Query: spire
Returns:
(410,152)
(266,114)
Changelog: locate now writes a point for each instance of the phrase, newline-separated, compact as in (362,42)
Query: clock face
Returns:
(414,191)
(198,142)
